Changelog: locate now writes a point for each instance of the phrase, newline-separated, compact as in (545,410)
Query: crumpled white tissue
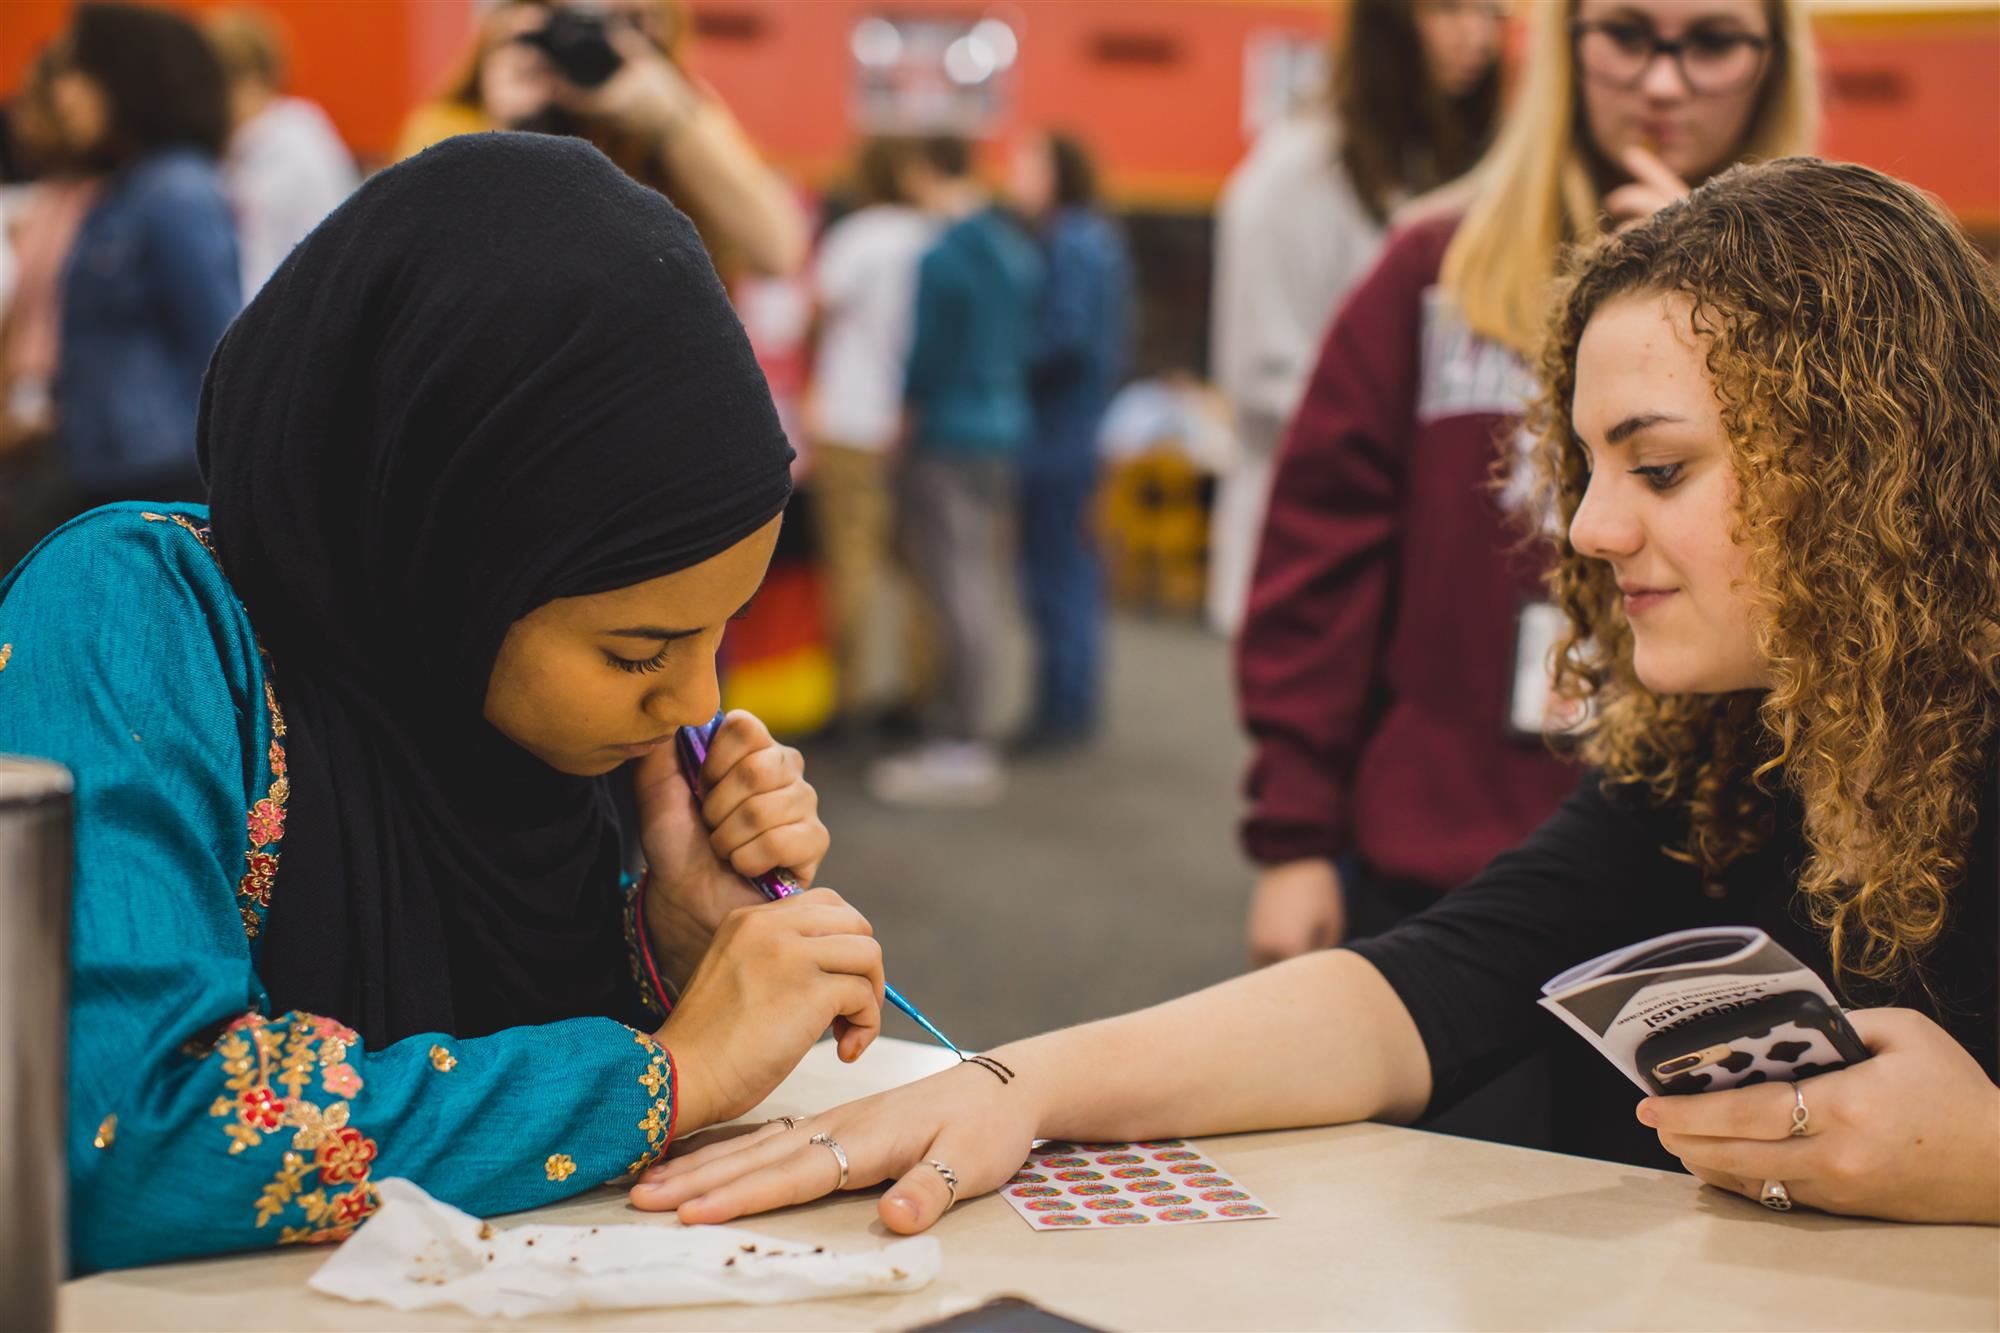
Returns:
(417,1253)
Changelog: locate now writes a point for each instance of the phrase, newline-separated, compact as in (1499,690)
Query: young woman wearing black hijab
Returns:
(491,467)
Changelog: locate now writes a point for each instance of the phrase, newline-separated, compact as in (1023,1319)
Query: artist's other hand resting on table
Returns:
(1770,444)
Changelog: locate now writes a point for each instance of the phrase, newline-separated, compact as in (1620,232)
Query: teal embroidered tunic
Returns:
(199,1121)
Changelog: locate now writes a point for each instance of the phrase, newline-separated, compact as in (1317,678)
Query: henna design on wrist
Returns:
(992,1066)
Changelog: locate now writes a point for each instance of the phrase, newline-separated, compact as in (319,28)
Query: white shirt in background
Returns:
(865,282)
(1291,237)
(286,169)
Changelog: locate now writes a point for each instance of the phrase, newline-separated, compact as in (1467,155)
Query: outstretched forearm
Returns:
(1322,1039)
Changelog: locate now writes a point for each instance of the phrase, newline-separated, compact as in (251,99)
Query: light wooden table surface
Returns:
(1379,1228)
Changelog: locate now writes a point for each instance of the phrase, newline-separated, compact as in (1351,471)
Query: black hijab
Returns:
(500,374)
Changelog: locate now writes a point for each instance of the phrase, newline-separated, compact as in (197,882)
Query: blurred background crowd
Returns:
(1040,288)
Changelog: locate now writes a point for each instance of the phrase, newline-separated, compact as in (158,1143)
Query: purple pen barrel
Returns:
(693,743)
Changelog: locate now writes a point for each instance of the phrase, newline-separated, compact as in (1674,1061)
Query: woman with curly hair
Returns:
(1771,434)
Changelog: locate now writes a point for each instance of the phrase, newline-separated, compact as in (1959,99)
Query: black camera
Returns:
(579,45)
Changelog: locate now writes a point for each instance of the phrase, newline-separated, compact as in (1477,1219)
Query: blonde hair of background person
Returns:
(1771,408)
(663,127)
(1542,183)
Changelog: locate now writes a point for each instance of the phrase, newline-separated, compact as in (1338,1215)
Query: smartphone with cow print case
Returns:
(1781,1038)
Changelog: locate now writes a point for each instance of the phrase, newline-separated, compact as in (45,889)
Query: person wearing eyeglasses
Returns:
(1387,669)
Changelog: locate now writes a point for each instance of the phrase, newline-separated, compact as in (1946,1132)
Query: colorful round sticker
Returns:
(1034,1191)
(1116,1202)
(1161,1143)
(1165,1200)
(1241,1210)
(1054,1148)
(1079,1175)
(1168,1215)
(1120,1158)
(1093,1189)
(1136,1172)
(1123,1219)
(1064,1220)
(1048,1205)
(1176,1155)
(1027,1178)
(1207,1182)
(1223,1196)
(1064,1161)
(1190,1168)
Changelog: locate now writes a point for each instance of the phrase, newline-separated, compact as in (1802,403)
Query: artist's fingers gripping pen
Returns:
(692,743)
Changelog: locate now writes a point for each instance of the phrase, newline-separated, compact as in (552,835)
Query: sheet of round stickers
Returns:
(1071,1186)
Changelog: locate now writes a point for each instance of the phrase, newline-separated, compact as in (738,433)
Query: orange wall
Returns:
(1918,96)
(1915,93)
(1167,132)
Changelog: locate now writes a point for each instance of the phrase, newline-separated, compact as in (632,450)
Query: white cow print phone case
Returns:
(1782,1038)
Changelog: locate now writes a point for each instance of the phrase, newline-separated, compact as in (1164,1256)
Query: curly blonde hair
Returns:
(1853,339)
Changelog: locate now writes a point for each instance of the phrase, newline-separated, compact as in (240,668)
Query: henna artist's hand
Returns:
(759,814)
(964,1117)
(778,974)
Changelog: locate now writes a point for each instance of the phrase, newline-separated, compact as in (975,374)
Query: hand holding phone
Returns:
(1780,1038)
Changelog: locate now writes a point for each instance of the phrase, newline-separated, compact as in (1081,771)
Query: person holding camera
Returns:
(614,73)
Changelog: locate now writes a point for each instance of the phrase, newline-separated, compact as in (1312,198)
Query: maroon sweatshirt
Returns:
(1376,663)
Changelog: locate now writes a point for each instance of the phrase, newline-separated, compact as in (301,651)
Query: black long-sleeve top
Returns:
(1596,877)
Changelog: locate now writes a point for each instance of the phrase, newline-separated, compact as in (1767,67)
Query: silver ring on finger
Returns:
(839,1155)
(790,1122)
(1775,1196)
(946,1174)
(1801,1115)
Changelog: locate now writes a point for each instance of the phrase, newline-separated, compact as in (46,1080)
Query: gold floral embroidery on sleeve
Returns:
(442,1060)
(266,820)
(6,655)
(187,525)
(107,1133)
(268,1066)
(560,1166)
(658,1122)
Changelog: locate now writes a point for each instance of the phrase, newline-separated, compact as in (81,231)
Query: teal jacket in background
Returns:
(199,1121)
(973,337)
